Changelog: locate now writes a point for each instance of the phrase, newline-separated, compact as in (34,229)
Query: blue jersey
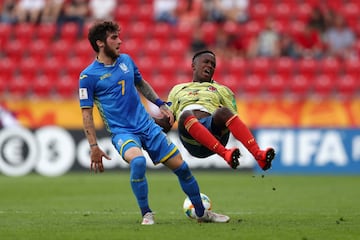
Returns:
(112,89)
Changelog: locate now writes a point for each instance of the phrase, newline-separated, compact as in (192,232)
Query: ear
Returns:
(100,43)
(193,66)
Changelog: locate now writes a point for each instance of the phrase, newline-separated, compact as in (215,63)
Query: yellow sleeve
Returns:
(174,107)
(228,98)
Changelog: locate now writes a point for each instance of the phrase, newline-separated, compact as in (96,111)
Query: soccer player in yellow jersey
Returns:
(206,112)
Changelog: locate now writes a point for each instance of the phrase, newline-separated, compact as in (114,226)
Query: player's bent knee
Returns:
(138,163)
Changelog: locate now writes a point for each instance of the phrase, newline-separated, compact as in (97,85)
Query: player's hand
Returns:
(96,156)
(165,110)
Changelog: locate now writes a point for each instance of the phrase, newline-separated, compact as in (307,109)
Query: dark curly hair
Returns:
(100,31)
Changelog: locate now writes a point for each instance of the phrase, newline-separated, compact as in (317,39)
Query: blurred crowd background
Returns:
(293,49)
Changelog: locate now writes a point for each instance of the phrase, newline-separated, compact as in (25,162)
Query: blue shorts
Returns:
(153,141)
(195,148)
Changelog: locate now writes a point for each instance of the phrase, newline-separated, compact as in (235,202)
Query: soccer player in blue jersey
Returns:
(206,112)
(112,82)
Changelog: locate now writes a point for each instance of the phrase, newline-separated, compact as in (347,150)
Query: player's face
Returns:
(204,67)
(112,45)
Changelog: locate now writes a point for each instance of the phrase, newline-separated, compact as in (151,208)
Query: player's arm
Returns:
(228,99)
(148,92)
(96,154)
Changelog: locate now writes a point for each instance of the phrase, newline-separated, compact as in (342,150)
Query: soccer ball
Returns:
(189,209)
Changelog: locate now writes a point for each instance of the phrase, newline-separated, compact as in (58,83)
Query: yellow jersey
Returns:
(207,95)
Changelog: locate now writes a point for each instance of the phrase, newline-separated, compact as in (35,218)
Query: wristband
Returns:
(93,145)
(160,102)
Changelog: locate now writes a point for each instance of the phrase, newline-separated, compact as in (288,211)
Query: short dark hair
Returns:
(202,52)
(99,31)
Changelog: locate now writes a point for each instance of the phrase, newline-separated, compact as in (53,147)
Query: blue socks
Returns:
(190,186)
(139,183)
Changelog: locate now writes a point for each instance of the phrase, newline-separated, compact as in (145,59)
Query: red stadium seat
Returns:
(357,43)
(299,86)
(185,67)
(46,32)
(181,78)
(252,29)
(66,87)
(153,48)
(3,86)
(260,66)
(276,86)
(350,11)
(38,50)
(83,51)
(52,68)
(284,66)
(183,32)
(168,67)
(259,12)
(74,66)
(252,86)
(308,67)
(352,67)
(146,67)
(61,49)
(347,86)
(8,68)
(303,12)
(161,84)
(177,48)
(14,50)
(282,12)
(209,31)
(145,13)
(295,28)
(24,32)
(42,87)
(323,86)
(137,30)
(19,87)
(5,34)
(232,27)
(161,31)
(238,67)
(331,67)
(29,68)
(69,32)
(131,46)
(231,81)
(125,13)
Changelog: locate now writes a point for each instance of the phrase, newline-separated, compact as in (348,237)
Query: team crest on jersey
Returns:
(212,89)
(123,67)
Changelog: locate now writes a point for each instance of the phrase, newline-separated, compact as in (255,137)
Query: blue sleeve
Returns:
(86,90)
(137,74)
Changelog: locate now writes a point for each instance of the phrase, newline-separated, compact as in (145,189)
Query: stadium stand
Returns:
(30,56)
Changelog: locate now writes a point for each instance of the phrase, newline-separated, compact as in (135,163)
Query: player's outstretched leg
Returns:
(265,157)
(202,135)
(242,133)
(232,156)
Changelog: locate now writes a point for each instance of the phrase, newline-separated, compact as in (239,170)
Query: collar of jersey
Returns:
(106,65)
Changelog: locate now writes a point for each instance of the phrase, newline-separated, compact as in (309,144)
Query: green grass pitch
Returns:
(102,206)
